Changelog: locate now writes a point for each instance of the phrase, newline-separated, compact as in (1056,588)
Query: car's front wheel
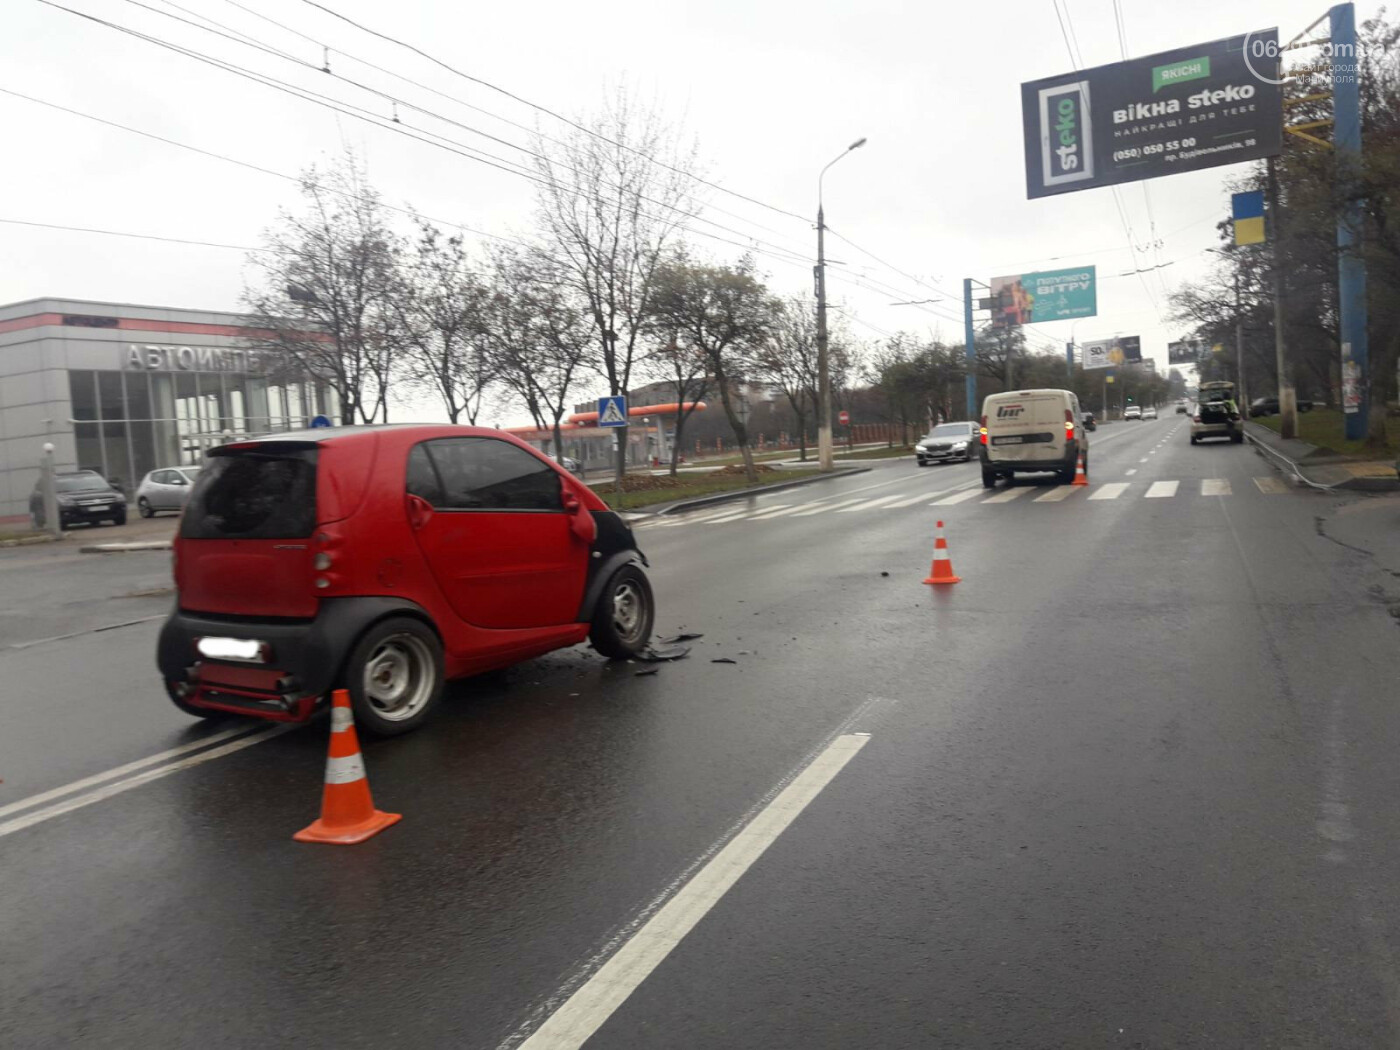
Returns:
(120,519)
(395,676)
(144,506)
(622,622)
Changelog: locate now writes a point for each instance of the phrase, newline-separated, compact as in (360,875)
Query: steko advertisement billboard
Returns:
(1194,107)
(1051,295)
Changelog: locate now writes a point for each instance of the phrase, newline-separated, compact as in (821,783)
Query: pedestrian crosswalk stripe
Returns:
(1162,489)
(1215,487)
(1111,491)
(1007,496)
(1272,486)
(728,517)
(776,510)
(908,502)
(825,507)
(869,504)
(957,497)
(1056,494)
(1130,473)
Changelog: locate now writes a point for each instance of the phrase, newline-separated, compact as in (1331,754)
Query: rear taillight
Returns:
(329,543)
(982,430)
(1196,418)
(1069,423)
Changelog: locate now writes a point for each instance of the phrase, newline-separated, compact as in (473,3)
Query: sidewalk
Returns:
(1320,467)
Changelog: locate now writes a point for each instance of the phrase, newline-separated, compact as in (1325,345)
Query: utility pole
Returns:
(1287,396)
(970,342)
(1239,347)
(825,453)
(1069,363)
(1351,266)
(52,520)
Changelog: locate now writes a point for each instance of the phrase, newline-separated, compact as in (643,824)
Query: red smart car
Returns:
(385,560)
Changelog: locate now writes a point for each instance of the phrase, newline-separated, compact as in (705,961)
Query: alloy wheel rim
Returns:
(628,611)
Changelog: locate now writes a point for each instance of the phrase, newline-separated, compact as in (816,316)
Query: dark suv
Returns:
(83,496)
(385,560)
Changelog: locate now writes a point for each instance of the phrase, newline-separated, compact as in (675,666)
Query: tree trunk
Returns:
(801,434)
(741,433)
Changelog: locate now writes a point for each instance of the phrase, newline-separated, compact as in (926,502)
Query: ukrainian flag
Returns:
(1248,209)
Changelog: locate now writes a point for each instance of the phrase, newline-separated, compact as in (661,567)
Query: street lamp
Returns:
(824,450)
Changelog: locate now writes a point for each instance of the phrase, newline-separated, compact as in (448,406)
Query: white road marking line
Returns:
(1143,460)
(957,497)
(1130,473)
(1110,491)
(752,514)
(728,517)
(1007,496)
(869,504)
(809,511)
(117,787)
(908,502)
(1215,486)
(130,767)
(1270,485)
(1056,494)
(587,1009)
(779,513)
(1162,490)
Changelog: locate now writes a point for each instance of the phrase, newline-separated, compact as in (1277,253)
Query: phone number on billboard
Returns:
(1153,148)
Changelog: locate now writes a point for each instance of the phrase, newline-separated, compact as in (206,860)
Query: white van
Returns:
(1032,430)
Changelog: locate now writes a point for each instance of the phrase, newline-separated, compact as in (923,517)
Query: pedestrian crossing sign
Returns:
(612,411)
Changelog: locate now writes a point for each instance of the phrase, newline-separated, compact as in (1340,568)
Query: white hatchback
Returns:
(165,489)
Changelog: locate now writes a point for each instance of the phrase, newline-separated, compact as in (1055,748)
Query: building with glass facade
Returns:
(124,389)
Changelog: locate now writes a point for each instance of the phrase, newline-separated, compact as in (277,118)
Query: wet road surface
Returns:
(1130,783)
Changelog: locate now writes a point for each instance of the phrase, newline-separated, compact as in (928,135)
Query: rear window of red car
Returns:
(251,494)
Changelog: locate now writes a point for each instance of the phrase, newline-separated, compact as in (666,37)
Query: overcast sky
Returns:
(770,91)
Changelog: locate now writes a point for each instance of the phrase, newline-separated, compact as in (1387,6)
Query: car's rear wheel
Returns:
(395,676)
(1193,439)
(622,622)
(144,506)
(1237,438)
(989,478)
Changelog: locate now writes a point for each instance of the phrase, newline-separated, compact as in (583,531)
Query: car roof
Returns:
(326,435)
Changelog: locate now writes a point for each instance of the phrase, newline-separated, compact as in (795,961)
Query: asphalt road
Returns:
(1131,783)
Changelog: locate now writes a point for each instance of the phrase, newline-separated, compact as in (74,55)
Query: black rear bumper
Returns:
(304,662)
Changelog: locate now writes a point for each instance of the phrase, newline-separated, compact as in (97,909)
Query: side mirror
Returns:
(572,503)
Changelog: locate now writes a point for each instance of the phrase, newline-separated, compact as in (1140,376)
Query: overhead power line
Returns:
(549,112)
(140,236)
(423,135)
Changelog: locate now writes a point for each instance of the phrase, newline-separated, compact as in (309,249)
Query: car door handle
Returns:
(419,511)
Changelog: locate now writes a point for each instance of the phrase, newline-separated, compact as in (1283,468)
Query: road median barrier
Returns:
(125,548)
(738,494)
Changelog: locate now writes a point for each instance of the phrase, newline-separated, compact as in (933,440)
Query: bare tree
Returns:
(686,371)
(443,314)
(788,359)
(607,210)
(726,313)
(329,282)
(542,340)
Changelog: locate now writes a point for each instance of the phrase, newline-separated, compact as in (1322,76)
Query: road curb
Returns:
(124,548)
(29,541)
(726,497)
(1291,466)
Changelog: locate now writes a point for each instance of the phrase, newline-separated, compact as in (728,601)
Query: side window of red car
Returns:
(486,474)
(423,480)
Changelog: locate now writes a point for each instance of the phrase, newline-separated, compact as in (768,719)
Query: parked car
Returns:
(1132,412)
(1032,430)
(1268,406)
(385,560)
(1150,412)
(947,442)
(571,465)
(1182,408)
(165,489)
(84,497)
(1217,414)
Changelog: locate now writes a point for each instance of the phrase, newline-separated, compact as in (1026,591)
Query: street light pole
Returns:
(825,457)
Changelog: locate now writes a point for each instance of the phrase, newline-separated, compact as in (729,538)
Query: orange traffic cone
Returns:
(942,568)
(1081,476)
(347,812)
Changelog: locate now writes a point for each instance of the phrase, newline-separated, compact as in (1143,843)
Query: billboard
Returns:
(1194,107)
(1185,352)
(1108,353)
(1051,295)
